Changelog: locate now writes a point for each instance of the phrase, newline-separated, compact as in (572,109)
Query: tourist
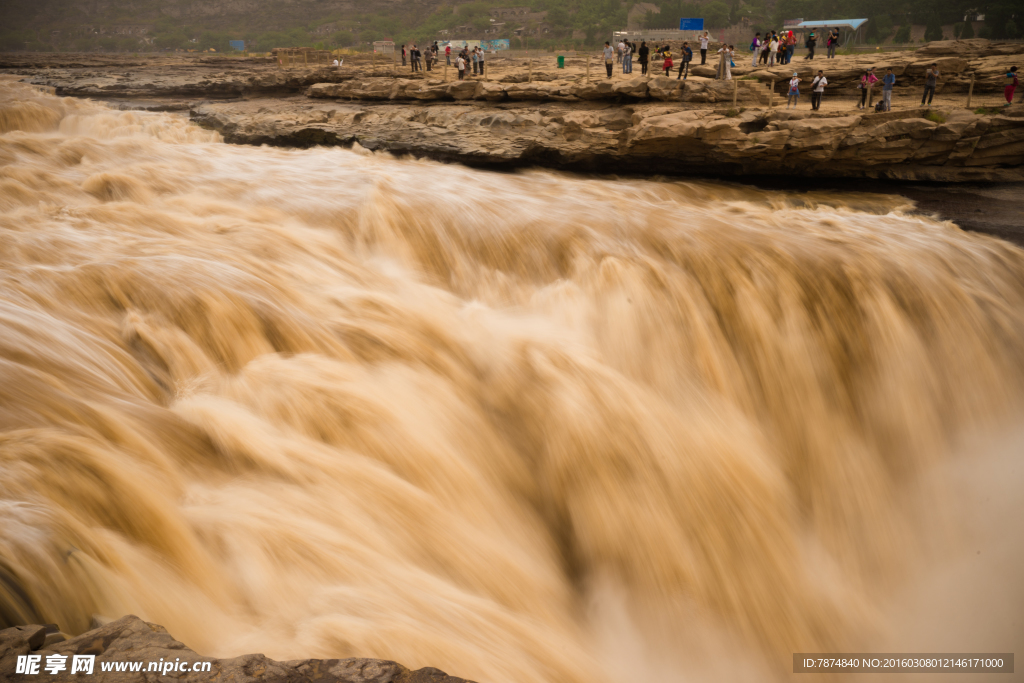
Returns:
(475,59)
(811,42)
(460,62)
(773,50)
(788,45)
(818,89)
(794,91)
(448,54)
(687,57)
(627,58)
(724,60)
(867,80)
(609,56)
(1011,85)
(643,54)
(833,43)
(403,55)
(888,81)
(704,47)
(620,52)
(414,58)
(766,46)
(482,52)
(755,46)
(931,77)
(667,64)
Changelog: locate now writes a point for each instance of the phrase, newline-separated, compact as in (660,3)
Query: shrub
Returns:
(933,29)
(935,117)
(985,32)
(903,35)
(968,31)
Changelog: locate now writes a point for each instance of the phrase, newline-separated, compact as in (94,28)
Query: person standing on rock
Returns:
(627,58)
(818,89)
(460,62)
(482,53)
(833,42)
(867,80)
(403,55)
(793,97)
(448,54)
(667,64)
(1011,85)
(643,54)
(931,78)
(811,42)
(724,60)
(888,81)
(704,40)
(413,59)
(773,51)
(686,58)
(609,56)
(619,51)
(755,47)
(790,47)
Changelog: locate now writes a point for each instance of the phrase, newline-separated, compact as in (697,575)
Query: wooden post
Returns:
(771,96)
(305,58)
(735,91)
(446,70)
(589,57)
(970,92)
(529,78)
(392,61)
(373,60)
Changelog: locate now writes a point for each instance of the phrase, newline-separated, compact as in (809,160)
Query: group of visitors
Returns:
(774,48)
(420,58)
(467,56)
(428,58)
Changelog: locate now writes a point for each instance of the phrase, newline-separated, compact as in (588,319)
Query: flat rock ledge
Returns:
(601,137)
(130,639)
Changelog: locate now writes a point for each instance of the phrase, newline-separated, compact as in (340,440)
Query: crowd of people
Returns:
(418,59)
(774,48)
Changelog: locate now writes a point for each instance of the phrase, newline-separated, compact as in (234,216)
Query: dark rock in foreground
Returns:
(130,639)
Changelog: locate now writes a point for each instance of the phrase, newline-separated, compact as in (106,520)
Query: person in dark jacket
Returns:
(684,62)
(643,55)
(811,42)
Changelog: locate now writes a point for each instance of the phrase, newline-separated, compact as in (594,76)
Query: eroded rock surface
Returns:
(130,639)
(647,137)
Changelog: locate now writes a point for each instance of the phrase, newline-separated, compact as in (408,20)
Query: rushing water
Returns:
(526,427)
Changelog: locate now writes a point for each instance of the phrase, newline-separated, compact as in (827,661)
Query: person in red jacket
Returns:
(1011,84)
(667,65)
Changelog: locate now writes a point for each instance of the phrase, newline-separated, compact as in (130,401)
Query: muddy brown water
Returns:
(521,427)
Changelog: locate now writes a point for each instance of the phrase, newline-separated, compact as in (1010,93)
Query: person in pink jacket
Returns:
(866,81)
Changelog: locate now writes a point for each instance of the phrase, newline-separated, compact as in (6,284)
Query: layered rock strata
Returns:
(131,639)
(648,138)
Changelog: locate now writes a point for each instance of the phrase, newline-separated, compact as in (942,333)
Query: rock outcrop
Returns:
(131,639)
(693,90)
(645,137)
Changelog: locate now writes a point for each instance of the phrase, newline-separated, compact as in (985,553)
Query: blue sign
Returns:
(691,24)
(237,44)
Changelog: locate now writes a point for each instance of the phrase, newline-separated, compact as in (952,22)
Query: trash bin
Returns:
(561,61)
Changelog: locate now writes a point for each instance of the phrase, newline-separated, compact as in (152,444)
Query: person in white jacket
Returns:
(756,47)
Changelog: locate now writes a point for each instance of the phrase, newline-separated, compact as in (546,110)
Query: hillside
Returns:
(147,25)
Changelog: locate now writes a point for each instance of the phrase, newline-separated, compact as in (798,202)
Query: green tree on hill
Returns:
(933,29)
(968,31)
(902,35)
